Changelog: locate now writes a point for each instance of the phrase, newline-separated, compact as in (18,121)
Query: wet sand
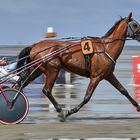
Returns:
(121,128)
(107,115)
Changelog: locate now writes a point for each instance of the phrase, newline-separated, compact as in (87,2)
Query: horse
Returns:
(107,49)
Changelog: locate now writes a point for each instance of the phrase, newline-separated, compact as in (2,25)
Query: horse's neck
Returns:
(117,39)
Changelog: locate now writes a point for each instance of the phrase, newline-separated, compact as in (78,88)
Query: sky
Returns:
(26,21)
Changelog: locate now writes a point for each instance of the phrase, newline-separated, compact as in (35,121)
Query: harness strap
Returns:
(88,64)
(87,50)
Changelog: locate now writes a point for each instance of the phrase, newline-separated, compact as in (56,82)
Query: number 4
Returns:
(87,46)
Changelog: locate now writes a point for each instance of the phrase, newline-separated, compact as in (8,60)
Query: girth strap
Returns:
(88,51)
(88,64)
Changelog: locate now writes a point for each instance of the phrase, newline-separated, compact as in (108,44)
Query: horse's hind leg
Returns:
(51,75)
(113,80)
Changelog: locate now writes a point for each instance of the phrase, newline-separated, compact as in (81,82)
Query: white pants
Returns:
(12,77)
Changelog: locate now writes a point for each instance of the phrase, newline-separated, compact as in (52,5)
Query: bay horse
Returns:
(107,49)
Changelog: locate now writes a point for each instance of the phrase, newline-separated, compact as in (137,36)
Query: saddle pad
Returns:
(87,47)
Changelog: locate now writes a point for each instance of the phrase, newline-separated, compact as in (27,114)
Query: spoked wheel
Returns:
(17,111)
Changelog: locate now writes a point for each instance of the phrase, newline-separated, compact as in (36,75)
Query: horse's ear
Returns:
(129,16)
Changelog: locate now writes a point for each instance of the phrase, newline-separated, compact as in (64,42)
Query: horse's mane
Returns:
(112,28)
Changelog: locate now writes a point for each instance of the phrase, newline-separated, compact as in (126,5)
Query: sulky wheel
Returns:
(17,111)
(4,87)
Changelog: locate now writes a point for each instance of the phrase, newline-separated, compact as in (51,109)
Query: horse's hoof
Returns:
(138,108)
(61,116)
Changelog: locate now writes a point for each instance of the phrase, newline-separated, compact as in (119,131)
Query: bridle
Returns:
(132,31)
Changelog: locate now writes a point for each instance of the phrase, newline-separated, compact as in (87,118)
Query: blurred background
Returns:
(25,21)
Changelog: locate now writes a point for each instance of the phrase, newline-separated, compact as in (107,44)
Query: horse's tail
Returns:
(23,57)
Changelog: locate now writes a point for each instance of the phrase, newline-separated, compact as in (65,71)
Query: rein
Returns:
(37,61)
(69,39)
(50,55)
(35,53)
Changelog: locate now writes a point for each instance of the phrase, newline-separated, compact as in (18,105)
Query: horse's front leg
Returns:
(91,87)
(113,80)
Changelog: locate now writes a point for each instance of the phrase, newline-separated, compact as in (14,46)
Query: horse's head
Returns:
(133,28)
